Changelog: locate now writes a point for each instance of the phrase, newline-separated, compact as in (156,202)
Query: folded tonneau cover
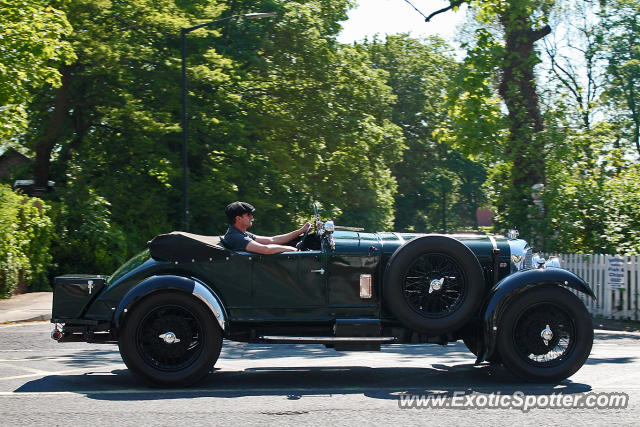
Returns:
(187,247)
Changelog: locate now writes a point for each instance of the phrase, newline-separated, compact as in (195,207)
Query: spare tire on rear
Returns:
(433,284)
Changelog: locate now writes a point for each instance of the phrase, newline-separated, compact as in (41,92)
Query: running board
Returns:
(286,339)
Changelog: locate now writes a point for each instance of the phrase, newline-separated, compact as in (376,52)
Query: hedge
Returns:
(25,239)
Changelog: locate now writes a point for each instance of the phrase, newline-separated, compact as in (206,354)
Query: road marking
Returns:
(37,359)
(58,359)
(48,374)
(25,368)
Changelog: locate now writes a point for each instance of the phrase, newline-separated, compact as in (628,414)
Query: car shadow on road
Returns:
(455,353)
(298,382)
(345,375)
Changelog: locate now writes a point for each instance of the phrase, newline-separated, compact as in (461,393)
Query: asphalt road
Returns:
(46,383)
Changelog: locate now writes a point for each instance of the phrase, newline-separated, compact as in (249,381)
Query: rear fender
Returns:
(511,287)
(173,283)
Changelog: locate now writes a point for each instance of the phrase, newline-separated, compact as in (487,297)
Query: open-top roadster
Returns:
(170,307)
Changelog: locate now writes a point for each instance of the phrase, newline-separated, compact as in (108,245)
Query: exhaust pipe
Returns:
(56,334)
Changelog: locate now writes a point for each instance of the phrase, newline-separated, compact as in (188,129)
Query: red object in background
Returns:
(484,217)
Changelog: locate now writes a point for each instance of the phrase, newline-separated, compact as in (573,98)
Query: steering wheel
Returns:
(300,245)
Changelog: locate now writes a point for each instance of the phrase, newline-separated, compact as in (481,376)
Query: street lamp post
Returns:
(183,49)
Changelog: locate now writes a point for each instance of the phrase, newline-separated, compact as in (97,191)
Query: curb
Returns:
(29,307)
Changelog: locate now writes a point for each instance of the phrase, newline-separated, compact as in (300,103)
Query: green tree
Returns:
(622,212)
(438,189)
(575,62)
(25,236)
(86,236)
(111,131)
(280,114)
(312,122)
(31,48)
(621,42)
(506,43)
(575,197)
(590,169)
(592,204)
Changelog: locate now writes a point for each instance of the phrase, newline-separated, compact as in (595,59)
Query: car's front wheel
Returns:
(545,334)
(170,339)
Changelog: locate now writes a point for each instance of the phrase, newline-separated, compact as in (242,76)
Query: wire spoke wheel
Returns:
(176,353)
(530,327)
(170,339)
(434,285)
(545,334)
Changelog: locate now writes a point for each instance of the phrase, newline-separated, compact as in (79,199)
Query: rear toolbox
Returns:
(72,294)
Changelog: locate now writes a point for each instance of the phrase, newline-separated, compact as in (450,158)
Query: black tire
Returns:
(410,293)
(522,347)
(197,340)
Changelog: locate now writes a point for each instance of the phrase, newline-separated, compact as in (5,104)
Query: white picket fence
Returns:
(610,303)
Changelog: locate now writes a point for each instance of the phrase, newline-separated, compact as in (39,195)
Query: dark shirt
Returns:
(236,240)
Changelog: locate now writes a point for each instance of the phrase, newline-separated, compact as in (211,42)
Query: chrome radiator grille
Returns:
(528,258)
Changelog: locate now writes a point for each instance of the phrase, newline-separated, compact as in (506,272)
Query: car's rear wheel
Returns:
(545,334)
(170,339)
(433,284)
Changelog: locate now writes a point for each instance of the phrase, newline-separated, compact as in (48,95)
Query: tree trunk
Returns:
(53,132)
(635,114)
(518,91)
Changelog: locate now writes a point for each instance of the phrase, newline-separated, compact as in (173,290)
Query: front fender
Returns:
(177,283)
(512,286)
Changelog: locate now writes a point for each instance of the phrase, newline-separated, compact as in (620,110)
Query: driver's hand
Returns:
(305,227)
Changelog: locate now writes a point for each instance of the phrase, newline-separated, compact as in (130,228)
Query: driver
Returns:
(240,215)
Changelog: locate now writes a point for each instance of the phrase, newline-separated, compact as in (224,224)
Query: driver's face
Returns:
(245,220)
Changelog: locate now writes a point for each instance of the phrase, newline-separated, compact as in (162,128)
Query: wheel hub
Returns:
(158,338)
(547,335)
(544,334)
(169,338)
(433,286)
(436,285)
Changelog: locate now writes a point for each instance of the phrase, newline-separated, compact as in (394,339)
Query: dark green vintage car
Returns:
(170,307)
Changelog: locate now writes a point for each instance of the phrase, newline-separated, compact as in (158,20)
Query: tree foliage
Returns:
(438,188)
(31,48)
(511,51)
(111,130)
(315,125)
(386,133)
(621,42)
(575,62)
(25,236)
(591,171)
(280,115)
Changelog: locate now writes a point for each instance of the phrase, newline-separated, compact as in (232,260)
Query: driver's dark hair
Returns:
(237,209)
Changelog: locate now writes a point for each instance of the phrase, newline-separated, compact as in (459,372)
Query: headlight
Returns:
(521,255)
(540,262)
(554,261)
